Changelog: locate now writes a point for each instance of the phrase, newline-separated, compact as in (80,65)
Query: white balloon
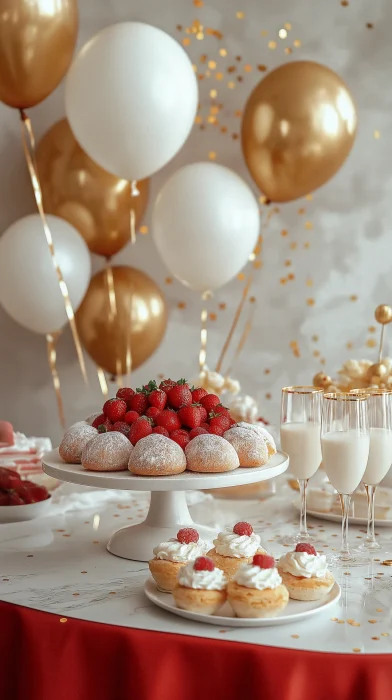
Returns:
(205,224)
(29,288)
(131,99)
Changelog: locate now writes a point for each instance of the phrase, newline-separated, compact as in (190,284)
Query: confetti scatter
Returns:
(357,650)
(295,636)
(376,134)
(294,347)
(181,305)
(63,619)
(261,67)
(143,230)
(240,15)
(212,155)
(282,33)
(353,297)
(272,45)
(369,25)
(310,302)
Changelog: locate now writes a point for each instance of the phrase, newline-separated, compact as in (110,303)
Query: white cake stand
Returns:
(168,508)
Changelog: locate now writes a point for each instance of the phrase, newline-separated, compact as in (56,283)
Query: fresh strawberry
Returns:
(167,384)
(35,493)
(179,396)
(187,535)
(264,561)
(222,422)
(209,402)
(9,479)
(153,412)
(222,410)
(262,420)
(203,413)
(98,420)
(203,564)
(232,422)
(131,416)
(15,500)
(216,430)
(157,399)
(198,394)
(243,528)
(181,437)
(205,426)
(138,403)
(140,429)
(4,498)
(197,431)
(160,430)
(125,394)
(115,409)
(168,419)
(306,547)
(121,427)
(10,472)
(190,416)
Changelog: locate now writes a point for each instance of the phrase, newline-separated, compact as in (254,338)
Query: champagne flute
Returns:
(345,448)
(300,430)
(380,453)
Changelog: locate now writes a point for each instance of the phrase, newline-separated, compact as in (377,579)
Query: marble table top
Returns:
(59,564)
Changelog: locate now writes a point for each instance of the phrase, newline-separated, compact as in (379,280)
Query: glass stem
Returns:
(303,530)
(345,500)
(370,492)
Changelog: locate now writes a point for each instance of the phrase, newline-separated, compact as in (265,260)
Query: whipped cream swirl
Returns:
(304,564)
(204,580)
(228,544)
(173,550)
(252,576)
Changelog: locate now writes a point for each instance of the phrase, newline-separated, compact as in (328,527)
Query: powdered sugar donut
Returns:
(74,441)
(263,432)
(107,452)
(211,453)
(250,447)
(157,455)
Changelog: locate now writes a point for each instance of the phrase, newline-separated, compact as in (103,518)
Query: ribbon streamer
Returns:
(132,222)
(102,381)
(28,141)
(381,348)
(203,331)
(243,339)
(51,342)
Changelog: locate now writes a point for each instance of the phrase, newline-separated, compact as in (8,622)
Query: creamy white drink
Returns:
(345,456)
(301,441)
(380,456)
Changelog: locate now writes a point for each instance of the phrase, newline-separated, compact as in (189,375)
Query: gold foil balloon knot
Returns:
(383,314)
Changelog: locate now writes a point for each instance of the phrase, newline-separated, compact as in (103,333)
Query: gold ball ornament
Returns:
(383,314)
(376,373)
(321,380)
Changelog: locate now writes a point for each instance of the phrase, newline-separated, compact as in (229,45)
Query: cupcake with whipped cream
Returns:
(235,547)
(305,573)
(256,589)
(170,557)
(201,587)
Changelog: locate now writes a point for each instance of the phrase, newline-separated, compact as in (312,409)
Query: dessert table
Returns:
(76,624)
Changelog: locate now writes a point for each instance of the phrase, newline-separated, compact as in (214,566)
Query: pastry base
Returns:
(307,589)
(165,573)
(230,565)
(199,601)
(250,602)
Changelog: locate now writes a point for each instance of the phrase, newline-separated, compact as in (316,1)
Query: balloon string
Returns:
(51,342)
(132,222)
(102,381)
(203,332)
(381,343)
(28,141)
(113,314)
(243,339)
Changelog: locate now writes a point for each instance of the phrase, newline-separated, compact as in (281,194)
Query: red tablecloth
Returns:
(42,658)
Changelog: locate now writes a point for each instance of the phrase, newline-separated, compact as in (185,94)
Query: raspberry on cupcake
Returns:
(201,587)
(170,557)
(234,547)
(256,589)
(305,574)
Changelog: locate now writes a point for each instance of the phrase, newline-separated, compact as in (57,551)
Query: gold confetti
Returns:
(288,50)
(293,245)
(357,650)
(268,396)
(222,52)
(309,197)
(283,280)
(306,245)
(264,32)
(372,622)
(143,230)
(222,306)
(344,3)
(334,619)
(349,346)
(231,69)
(287,263)
(63,619)
(213,93)
(75,594)
(310,302)
(369,25)
(179,27)
(301,211)
(247,68)
(272,44)
(239,79)
(181,305)
(112,593)
(198,3)
(252,300)
(212,64)
(384,634)
(83,572)
(297,43)
(169,280)
(284,232)
(315,338)
(186,41)
(199,36)
(213,316)
(223,129)
(257,264)
(377,134)
(287,26)
(282,33)
(267,371)
(376,639)
(219,76)
(240,276)
(231,85)
(240,15)
(371,343)
(238,58)
(308,225)
(309,282)
(379,610)
(291,276)
(353,297)
(316,353)
(212,155)
(295,636)
(295,348)
(198,119)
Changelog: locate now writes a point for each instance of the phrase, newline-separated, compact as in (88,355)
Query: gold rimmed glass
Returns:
(345,450)
(380,453)
(300,430)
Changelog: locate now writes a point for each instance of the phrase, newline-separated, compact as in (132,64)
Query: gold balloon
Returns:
(298,128)
(135,330)
(37,39)
(75,188)
(321,380)
(383,314)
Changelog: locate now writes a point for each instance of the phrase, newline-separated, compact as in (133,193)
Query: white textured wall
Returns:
(348,250)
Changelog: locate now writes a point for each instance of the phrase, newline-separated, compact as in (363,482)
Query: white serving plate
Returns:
(296,610)
(336,518)
(15,514)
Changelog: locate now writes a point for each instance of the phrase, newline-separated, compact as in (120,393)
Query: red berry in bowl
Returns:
(203,564)
(4,498)
(264,561)
(306,547)
(181,437)
(131,416)
(125,394)
(115,409)
(15,500)
(243,528)
(140,429)
(198,394)
(187,535)
(160,430)
(197,431)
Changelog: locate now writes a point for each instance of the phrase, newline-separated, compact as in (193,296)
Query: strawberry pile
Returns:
(173,409)
(17,492)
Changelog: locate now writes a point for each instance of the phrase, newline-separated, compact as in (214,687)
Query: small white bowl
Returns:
(29,511)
